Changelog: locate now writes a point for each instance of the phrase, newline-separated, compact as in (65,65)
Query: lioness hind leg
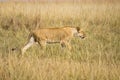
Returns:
(28,45)
(42,44)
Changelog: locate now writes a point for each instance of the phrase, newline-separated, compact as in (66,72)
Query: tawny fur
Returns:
(53,35)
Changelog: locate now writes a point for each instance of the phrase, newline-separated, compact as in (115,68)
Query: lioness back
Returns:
(52,34)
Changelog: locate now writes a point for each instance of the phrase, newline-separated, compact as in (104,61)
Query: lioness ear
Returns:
(78,29)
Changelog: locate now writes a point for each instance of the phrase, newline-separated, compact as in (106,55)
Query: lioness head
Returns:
(80,33)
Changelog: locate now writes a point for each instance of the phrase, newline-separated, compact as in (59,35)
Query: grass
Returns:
(95,58)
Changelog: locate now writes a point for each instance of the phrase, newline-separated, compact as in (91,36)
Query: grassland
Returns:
(95,58)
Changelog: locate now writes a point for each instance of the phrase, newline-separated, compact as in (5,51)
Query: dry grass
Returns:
(35,68)
(95,58)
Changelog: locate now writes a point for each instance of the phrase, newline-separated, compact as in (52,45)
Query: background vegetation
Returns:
(97,57)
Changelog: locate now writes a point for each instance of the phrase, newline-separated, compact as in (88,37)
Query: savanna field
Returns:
(97,57)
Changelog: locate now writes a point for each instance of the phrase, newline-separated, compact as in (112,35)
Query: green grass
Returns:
(97,57)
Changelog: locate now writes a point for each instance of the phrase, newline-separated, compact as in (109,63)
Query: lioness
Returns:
(53,35)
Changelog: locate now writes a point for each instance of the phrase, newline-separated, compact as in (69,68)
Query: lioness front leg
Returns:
(66,43)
